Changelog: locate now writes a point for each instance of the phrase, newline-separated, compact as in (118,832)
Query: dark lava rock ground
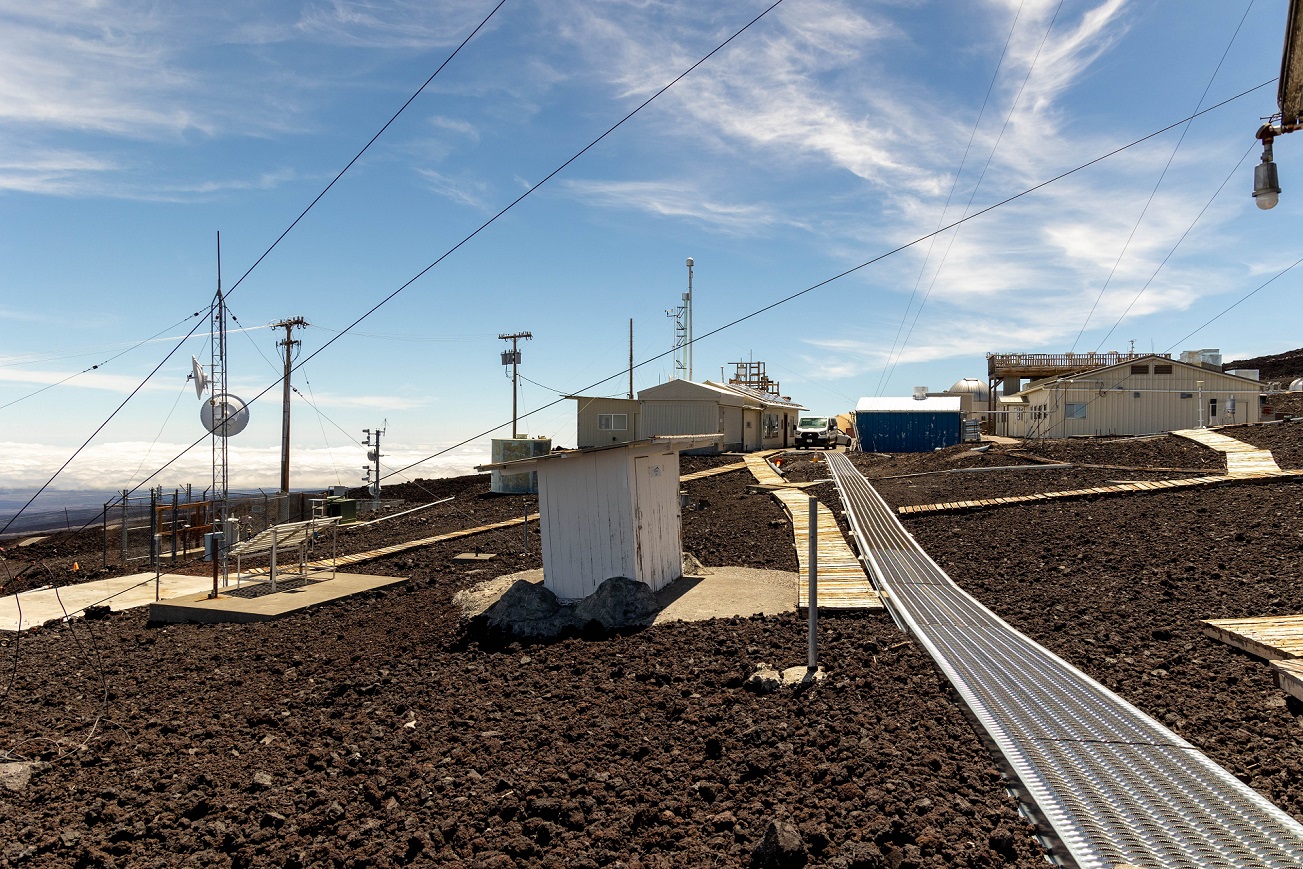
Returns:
(379,731)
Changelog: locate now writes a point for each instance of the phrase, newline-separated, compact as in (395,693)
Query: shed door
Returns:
(656,520)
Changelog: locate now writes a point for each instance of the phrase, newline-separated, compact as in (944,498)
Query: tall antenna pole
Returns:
(687,304)
(512,358)
(631,357)
(218,395)
(289,344)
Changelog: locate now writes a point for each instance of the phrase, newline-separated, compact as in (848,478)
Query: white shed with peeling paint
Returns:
(610,511)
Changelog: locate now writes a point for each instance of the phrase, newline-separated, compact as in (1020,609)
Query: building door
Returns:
(657,540)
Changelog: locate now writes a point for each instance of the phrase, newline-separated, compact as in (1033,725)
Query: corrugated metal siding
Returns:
(589,435)
(675,417)
(907,432)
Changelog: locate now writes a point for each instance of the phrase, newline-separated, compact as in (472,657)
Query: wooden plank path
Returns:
(758,465)
(843,583)
(1289,676)
(1270,637)
(358,557)
(710,472)
(1242,460)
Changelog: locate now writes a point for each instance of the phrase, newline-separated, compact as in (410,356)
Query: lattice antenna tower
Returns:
(217,376)
(682,317)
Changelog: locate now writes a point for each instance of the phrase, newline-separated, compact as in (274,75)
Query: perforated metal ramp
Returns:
(1112,785)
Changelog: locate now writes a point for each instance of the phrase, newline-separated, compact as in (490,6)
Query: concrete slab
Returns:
(724,592)
(29,609)
(268,607)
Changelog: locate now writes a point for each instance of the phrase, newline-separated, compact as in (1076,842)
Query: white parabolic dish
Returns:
(224,415)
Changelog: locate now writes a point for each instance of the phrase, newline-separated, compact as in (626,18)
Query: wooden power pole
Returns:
(289,344)
(512,357)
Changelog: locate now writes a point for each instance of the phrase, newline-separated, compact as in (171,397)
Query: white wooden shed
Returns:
(610,511)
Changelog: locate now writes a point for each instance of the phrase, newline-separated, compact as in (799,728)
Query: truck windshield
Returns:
(813,422)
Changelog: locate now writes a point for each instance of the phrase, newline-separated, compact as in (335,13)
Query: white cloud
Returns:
(112,466)
(678,200)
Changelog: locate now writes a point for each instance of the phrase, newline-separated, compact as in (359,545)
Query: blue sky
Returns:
(824,136)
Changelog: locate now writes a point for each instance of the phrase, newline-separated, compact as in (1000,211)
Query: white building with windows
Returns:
(1149,395)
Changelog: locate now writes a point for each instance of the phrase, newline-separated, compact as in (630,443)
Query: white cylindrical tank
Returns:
(1297,385)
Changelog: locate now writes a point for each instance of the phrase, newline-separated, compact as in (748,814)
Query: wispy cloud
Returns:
(678,200)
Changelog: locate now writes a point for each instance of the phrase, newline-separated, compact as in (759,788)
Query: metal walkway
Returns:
(1108,783)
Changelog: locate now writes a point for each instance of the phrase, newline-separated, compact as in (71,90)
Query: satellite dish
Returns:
(224,415)
(199,376)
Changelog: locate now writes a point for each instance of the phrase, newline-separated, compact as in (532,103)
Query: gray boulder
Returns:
(527,610)
(618,602)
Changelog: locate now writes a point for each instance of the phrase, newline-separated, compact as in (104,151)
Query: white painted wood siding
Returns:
(587,522)
(657,518)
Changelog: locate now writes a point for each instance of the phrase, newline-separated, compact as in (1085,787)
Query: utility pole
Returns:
(630,358)
(289,344)
(687,305)
(512,357)
(373,456)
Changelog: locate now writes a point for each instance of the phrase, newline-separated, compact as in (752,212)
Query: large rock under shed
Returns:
(528,609)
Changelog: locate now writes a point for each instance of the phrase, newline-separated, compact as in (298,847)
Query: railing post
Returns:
(813,662)
(125,492)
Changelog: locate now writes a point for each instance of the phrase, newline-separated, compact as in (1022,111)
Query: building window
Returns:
(612,421)
(1187,395)
(1074,410)
(1139,369)
(771,428)
(1212,407)
(1162,369)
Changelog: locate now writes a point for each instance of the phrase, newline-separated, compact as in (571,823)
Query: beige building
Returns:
(606,421)
(1147,395)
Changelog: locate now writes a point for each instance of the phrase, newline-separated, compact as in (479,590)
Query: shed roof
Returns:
(677,443)
(689,390)
(766,398)
(909,404)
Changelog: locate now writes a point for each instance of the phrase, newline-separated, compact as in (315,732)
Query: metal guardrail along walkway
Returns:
(1111,784)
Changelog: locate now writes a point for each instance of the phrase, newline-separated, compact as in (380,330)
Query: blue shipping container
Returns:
(907,431)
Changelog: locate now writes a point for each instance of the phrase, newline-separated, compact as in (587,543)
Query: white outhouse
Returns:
(610,511)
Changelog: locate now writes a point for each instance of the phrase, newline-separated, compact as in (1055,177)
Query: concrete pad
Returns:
(725,592)
(118,593)
(268,607)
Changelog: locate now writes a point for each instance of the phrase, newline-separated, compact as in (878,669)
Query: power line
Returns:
(256,263)
(995,147)
(622,372)
(1152,193)
(963,161)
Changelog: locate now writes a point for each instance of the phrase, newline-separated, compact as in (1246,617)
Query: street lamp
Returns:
(1266,181)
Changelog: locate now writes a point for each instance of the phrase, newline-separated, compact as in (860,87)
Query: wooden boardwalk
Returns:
(358,557)
(710,472)
(1289,676)
(1242,460)
(1270,637)
(843,583)
(758,465)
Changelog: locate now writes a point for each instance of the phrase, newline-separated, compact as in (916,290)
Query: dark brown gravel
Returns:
(378,732)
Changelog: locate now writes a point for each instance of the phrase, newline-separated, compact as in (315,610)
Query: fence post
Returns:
(176,496)
(813,662)
(154,554)
(125,493)
(104,529)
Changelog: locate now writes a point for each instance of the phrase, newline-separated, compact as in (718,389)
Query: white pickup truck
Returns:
(819,431)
